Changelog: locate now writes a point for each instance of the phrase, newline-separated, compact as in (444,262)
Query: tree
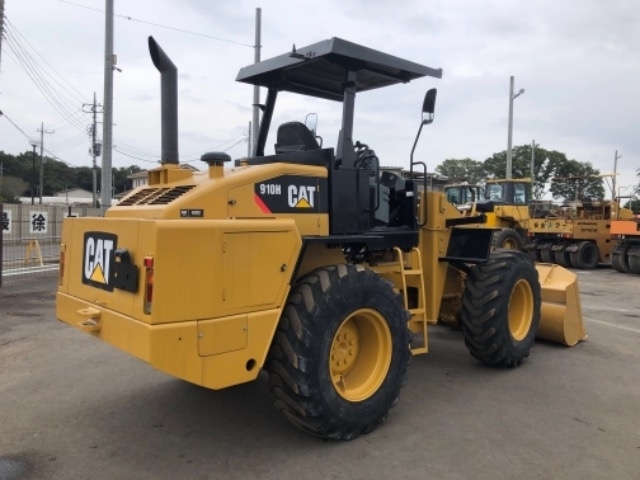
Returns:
(544,161)
(633,205)
(465,169)
(120,181)
(548,165)
(574,180)
(58,176)
(11,188)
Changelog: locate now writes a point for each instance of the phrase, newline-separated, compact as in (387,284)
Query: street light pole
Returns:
(512,97)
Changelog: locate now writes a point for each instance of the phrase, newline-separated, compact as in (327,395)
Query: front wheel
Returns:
(634,259)
(507,239)
(501,309)
(620,259)
(340,354)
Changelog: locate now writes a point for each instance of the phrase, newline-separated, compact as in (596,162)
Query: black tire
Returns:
(562,257)
(501,309)
(634,259)
(537,254)
(309,383)
(586,256)
(546,254)
(620,258)
(507,239)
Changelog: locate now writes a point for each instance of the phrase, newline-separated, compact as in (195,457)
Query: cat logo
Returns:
(97,259)
(301,197)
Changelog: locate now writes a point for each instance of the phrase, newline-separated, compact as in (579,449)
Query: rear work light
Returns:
(148,284)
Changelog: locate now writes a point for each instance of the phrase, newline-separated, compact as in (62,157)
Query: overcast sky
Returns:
(577,60)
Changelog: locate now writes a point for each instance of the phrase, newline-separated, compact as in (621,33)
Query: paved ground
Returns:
(73,408)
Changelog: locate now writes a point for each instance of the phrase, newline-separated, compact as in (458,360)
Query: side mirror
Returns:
(429,106)
(311,122)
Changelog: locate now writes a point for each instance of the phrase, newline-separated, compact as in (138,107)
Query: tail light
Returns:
(63,249)
(148,284)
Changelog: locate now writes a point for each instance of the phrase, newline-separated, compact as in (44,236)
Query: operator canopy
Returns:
(320,70)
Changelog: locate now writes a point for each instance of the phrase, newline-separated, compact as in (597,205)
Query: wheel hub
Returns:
(344,350)
(360,355)
(520,310)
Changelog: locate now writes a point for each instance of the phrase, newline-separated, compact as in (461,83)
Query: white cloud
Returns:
(577,62)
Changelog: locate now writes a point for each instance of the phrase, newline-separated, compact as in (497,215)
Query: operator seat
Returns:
(295,137)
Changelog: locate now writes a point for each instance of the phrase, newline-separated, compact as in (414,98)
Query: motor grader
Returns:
(306,263)
(579,234)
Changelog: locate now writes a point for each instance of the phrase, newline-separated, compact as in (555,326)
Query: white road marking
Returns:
(615,325)
(12,272)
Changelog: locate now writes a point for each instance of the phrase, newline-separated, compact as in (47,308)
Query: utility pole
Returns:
(249,142)
(95,148)
(256,89)
(33,172)
(107,117)
(42,132)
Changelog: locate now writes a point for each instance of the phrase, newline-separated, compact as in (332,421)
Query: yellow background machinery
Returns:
(308,263)
(505,203)
(578,235)
(625,257)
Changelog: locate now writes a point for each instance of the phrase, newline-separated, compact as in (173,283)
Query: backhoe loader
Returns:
(306,263)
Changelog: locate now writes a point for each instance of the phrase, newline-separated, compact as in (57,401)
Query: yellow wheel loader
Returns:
(506,205)
(307,263)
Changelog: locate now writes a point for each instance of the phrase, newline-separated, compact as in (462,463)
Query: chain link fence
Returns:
(30,239)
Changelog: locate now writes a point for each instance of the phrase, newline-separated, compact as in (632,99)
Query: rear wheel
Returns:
(339,357)
(634,259)
(586,256)
(501,309)
(546,255)
(562,257)
(508,239)
(620,258)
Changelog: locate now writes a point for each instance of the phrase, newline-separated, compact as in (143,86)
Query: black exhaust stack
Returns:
(169,102)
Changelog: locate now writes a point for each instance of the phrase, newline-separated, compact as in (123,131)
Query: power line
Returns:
(39,78)
(126,17)
(32,141)
(80,96)
(134,157)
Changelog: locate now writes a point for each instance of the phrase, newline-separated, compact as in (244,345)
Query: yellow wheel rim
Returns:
(509,244)
(360,355)
(520,310)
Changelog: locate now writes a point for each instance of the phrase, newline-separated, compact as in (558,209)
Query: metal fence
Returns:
(30,239)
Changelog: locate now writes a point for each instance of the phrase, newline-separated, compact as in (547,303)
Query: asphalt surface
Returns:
(74,408)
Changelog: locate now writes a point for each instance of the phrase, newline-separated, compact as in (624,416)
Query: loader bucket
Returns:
(561,311)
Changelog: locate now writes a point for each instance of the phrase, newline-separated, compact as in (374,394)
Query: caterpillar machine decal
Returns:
(307,263)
